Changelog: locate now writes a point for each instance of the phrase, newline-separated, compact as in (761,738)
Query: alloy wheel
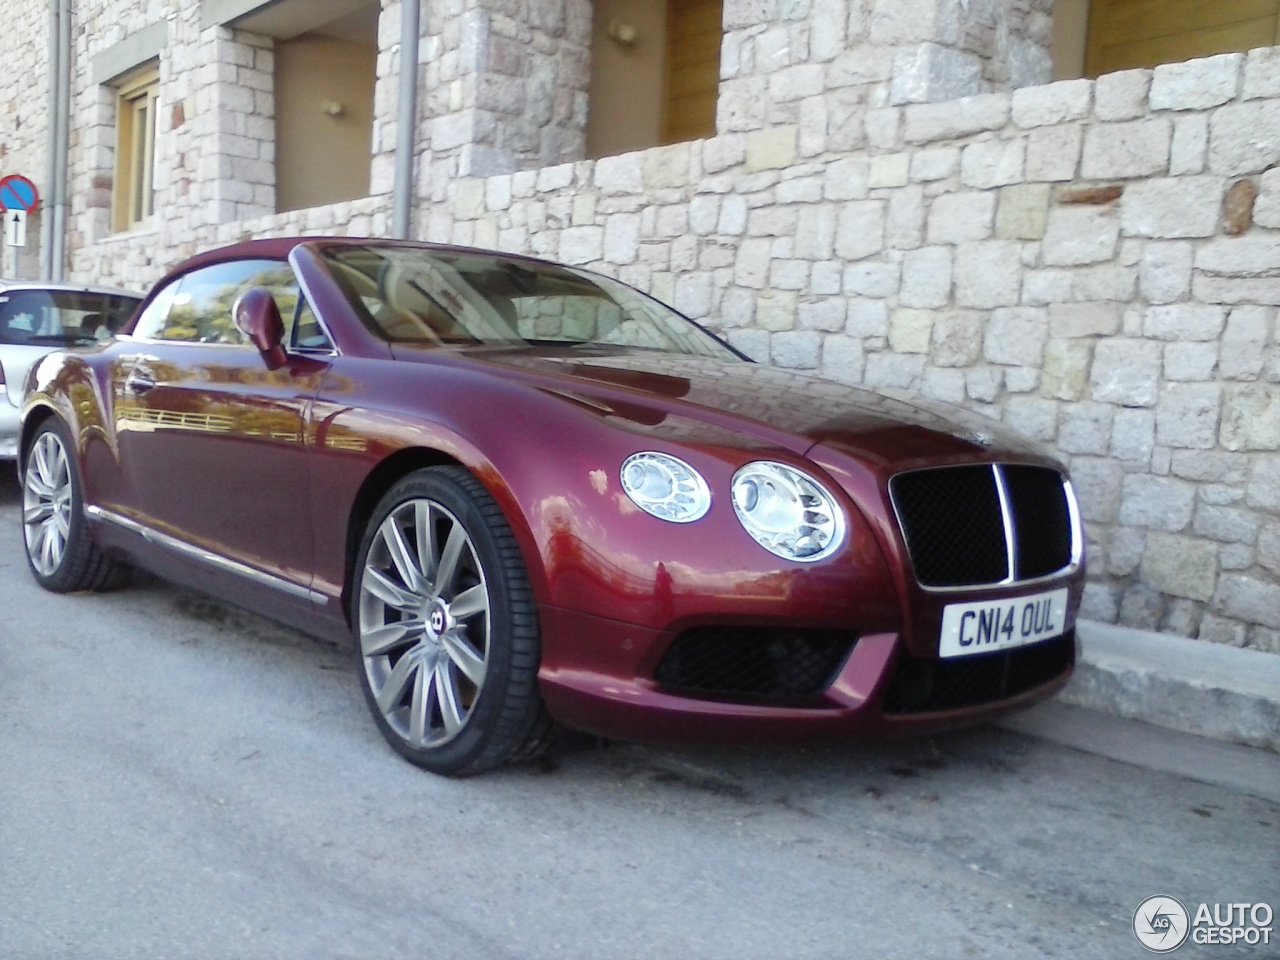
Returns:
(47,503)
(424,623)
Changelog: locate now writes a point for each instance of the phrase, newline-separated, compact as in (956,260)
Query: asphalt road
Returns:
(179,780)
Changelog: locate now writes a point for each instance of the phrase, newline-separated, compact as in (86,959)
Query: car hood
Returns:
(675,396)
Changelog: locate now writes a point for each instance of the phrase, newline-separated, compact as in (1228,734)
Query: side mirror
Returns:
(256,314)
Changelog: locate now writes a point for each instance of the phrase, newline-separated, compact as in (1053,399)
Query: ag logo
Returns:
(1161,924)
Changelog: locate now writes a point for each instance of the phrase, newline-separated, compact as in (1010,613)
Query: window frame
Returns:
(137,99)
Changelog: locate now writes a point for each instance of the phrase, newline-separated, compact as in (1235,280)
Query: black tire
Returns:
(446,629)
(55,533)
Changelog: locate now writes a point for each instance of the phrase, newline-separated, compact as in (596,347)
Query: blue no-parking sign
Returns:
(18,193)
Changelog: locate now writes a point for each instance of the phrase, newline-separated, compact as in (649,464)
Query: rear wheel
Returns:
(61,554)
(446,627)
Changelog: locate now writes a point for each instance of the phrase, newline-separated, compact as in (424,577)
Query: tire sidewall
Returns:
(468,749)
(69,570)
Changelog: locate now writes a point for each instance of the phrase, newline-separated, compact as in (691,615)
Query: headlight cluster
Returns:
(784,510)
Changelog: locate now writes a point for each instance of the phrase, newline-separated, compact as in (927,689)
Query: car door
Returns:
(213,446)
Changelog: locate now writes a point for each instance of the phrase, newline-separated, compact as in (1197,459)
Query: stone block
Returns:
(892,170)
(1188,362)
(860,229)
(961,217)
(771,149)
(988,273)
(1121,96)
(1080,234)
(1156,503)
(894,370)
(910,331)
(752,266)
(993,163)
(1239,269)
(1126,372)
(1181,566)
(1247,598)
(1085,319)
(1022,212)
(1173,208)
(934,164)
(1184,321)
(843,359)
(1244,342)
(848,178)
(1189,152)
(882,127)
(754,343)
(1196,84)
(1086,428)
(1266,209)
(926,277)
(904,224)
(1133,435)
(1053,153)
(868,318)
(620,176)
(796,349)
(871,278)
(1269,546)
(822,313)
(944,385)
(1043,287)
(1052,103)
(1244,138)
(1262,73)
(1097,484)
(1016,336)
(622,238)
(1187,415)
(931,73)
(1033,417)
(1165,271)
(1138,148)
(1251,417)
(957,339)
(1227,524)
(984,383)
(1066,368)
(928,123)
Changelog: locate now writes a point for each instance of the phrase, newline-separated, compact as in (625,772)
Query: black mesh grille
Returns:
(955,531)
(755,662)
(1041,520)
(929,686)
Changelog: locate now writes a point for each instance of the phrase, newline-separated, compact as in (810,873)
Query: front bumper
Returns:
(602,685)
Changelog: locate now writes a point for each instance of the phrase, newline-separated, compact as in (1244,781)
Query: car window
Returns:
(58,317)
(197,307)
(305,331)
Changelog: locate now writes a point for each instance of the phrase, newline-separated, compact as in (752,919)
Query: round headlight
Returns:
(668,488)
(787,512)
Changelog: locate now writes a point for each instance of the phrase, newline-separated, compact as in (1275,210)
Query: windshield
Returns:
(415,295)
(61,317)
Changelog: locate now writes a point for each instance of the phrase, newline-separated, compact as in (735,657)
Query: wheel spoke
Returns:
(451,710)
(393,595)
(425,533)
(464,657)
(449,558)
(418,708)
(37,512)
(378,641)
(399,678)
(401,556)
(470,602)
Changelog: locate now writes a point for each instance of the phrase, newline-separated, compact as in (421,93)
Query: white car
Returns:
(36,318)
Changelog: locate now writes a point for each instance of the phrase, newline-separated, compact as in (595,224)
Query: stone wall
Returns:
(1095,263)
(24,121)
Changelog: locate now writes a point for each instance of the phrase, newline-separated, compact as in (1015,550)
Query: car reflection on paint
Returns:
(36,318)
(532,498)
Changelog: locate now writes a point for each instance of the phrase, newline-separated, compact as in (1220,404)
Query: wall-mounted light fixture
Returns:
(622,33)
(332,108)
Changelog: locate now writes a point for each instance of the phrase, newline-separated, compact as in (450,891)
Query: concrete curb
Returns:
(1208,689)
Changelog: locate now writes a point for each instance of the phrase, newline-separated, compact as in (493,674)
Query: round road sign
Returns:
(18,193)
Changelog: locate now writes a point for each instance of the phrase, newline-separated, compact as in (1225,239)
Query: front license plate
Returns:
(987,625)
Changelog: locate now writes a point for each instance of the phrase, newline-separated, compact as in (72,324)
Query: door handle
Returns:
(139,381)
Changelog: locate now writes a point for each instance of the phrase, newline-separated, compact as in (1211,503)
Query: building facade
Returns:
(889,193)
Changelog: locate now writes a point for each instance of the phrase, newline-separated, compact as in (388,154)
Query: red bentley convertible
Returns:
(526,494)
